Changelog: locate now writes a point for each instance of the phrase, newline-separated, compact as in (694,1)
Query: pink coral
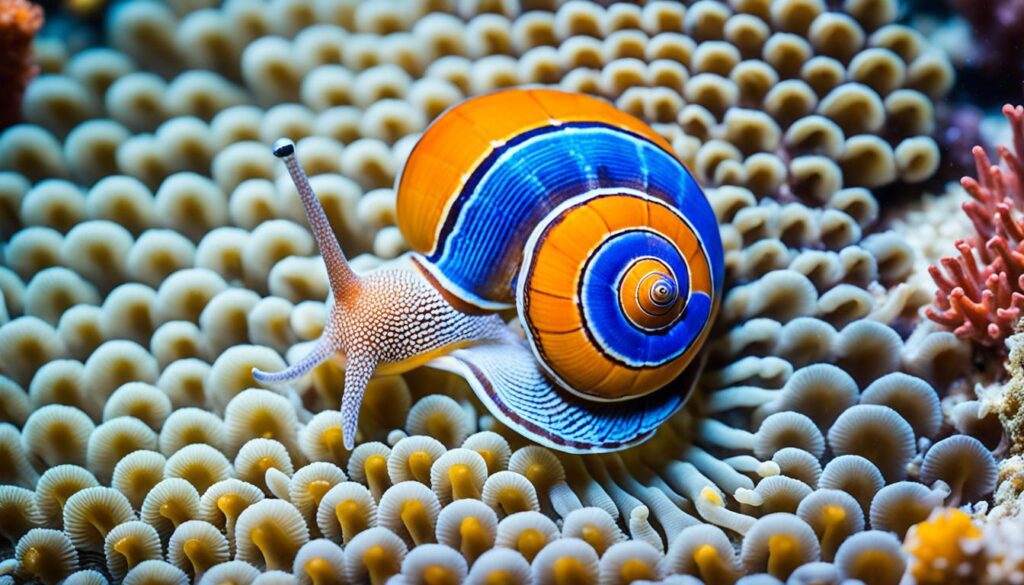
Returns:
(981,292)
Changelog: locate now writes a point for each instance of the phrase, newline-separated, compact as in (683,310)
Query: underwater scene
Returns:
(507,292)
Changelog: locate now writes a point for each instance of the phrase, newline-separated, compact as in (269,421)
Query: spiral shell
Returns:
(564,195)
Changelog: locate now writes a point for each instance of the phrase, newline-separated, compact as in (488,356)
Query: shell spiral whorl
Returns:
(617,314)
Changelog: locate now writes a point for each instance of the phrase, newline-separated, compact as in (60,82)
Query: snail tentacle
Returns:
(357,374)
(339,273)
(321,352)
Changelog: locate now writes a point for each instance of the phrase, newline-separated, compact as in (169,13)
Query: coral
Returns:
(19,22)
(936,547)
(953,547)
(981,293)
(1008,400)
(156,253)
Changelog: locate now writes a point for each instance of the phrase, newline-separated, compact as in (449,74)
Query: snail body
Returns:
(566,209)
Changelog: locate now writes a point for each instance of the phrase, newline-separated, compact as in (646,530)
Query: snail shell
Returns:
(577,215)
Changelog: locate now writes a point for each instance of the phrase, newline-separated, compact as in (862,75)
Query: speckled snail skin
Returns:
(567,209)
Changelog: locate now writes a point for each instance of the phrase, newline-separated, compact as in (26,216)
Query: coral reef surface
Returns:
(155,252)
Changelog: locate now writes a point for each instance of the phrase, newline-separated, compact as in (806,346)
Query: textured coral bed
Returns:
(154,252)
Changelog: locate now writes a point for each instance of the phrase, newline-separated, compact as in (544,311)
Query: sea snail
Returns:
(560,206)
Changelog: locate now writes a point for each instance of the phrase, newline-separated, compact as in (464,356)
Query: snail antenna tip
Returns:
(283,147)
(339,273)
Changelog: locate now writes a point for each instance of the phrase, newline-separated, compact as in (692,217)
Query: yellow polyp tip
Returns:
(231,505)
(379,564)
(711,496)
(334,440)
(569,571)
(512,501)
(32,561)
(462,482)
(538,476)
(103,525)
(277,551)
(439,426)
(192,547)
(832,535)
(321,572)
(375,465)
(128,547)
(530,542)
(635,570)
(173,512)
(417,522)
(500,577)
(594,537)
(200,555)
(436,575)
(351,519)
(265,463)
(833,514)
(783,555)
(474,538)
(419,466)
(317,489)
(712,569)
(705,554)
(489,459)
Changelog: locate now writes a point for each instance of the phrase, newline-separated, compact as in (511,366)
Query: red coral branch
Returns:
(981,292)
(19,22)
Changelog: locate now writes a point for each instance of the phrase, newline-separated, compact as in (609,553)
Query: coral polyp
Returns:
(844,413)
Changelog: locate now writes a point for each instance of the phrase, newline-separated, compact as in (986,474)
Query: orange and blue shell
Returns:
(581,217)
